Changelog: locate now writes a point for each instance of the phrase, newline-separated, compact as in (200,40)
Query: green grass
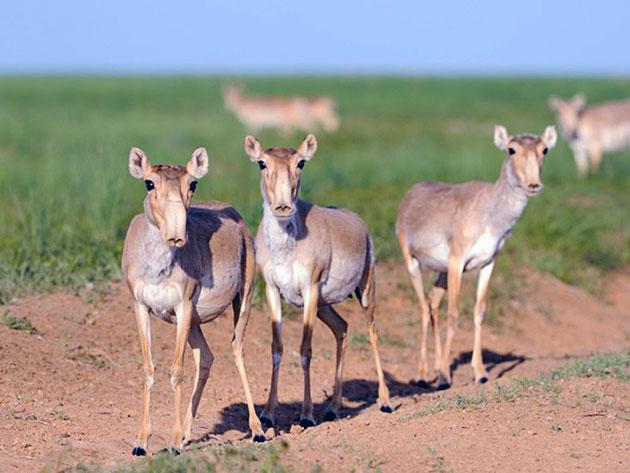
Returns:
(615,365)
(266,458)
(67,196)
(14,322)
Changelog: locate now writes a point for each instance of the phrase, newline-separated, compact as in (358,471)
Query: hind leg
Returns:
(203,362)
(241,318)
(454,280)
(435,297)
(268,414)
(368,303)
(339,328)
(415,274)
(481,375)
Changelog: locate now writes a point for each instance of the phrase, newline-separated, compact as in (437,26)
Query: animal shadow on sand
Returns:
(359,395)
(491,360)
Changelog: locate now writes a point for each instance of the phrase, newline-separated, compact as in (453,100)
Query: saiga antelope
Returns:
(186,263)
(284,113)
(594,130)
(453,228)
(314,257)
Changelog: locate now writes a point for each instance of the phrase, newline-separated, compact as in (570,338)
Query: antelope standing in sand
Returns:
(314,257)
(594,130)
(284,113)
(453,228)
(186,263)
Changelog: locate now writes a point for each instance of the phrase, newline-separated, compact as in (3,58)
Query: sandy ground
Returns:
(71,392)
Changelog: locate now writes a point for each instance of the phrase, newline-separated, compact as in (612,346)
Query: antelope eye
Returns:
(150,185)
(262,165)
(301,164)
(193,186)
(545,150)
(511,151)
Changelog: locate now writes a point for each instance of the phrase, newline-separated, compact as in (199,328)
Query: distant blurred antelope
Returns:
(453,228)
(186,264)
(284,113)
(594,130)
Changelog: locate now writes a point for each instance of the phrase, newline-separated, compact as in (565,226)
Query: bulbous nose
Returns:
(178,242)
(283,208)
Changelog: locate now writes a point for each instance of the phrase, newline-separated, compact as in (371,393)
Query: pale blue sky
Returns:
(412,37)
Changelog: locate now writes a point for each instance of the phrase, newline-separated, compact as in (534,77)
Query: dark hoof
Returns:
(421,383)
(483,380)
(330,416)
(266,423)
(306,423)
(386,409)
(138,452)
(259,438)
(443,386)
(170,451)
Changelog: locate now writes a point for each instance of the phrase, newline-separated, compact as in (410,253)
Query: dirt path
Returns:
(70,392)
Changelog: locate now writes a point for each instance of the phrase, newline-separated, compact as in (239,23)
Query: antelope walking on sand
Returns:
(453,228)
(186,263)
(594,130)
(284,113)
(314,257)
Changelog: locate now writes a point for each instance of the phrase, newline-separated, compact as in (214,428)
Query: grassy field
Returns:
(67,195)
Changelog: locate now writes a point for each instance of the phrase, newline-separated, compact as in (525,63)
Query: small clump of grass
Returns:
(14,322)
(615,365)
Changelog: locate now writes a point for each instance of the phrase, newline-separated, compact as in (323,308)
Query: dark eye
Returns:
(150,185)
(301,164)
(511,151)
(262,165)
(193,186)
(545,150)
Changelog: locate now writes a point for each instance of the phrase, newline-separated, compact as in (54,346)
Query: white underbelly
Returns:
(434,258)
(483,251)
(291,278)
(615,139)
(161,299)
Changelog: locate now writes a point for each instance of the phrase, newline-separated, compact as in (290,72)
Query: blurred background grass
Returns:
(67,195)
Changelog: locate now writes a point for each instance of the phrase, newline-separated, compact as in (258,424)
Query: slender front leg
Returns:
(311,296)
(415,274)
(203,362)
(184,316)
(481,375)
(595,156)
(454,278)
(339,328)
(435,298)
(275,311)
(581,160)
(144,330)
(242,310)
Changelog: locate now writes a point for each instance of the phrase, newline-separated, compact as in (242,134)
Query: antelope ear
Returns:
(578,101)
(308,148)
(138,163)
(253,148)
(550,136)
(501,137)
(198,164)
(554,102)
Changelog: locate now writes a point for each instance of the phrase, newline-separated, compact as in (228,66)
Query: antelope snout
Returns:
(283,210)
(534,188)
(175,241)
